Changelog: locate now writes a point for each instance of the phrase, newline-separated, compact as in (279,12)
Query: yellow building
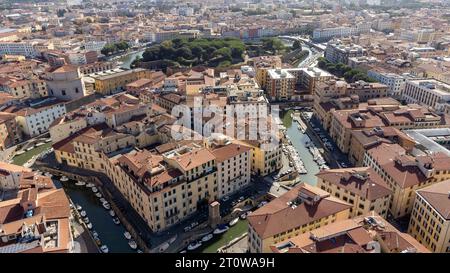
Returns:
(405,174)
(361,187)
(300,210)
(115,80)
(368,233)
(263,161)
(430,217)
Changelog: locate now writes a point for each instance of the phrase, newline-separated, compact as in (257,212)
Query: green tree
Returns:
(297,45)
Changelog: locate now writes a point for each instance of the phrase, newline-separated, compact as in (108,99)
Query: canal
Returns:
(129,58)
(109,233)
(299,140)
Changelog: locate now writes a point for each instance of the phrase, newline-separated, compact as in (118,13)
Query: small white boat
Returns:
(243,216)
(116,221)
(164,247)
(83,213)
(89,185)
(48,174)
(20,152)
(106,205)
(127,235)
(94,190)
(29,149)
(79,208)
(139,251)
(194,245)
(221,229)
(40,144)
(132,244)
(183,251)
(103,200)
(104,249)
(89,226)
(99,195)
(234,221)
(64,178)
(112,213)
(94,234)
(80,183)
(86,220)
(206,238)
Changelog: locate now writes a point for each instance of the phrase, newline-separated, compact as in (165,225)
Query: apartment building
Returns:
(361,187)
(264,161)
(66,126)
(339,52)
(396,83)
(411,116)
(261,65)
(22,88)
(30,49)
(430,93)
(35,117)
(362,140)
(405,174)
(35,218)
(10,133)
(368,233)
(301,209)
(280,84)
(10,175)
(430,217)
(233,165)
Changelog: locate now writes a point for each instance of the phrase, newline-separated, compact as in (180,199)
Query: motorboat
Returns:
(79,208)
(112,213)
(127,235)
(139,251)
(89,225)
(83,213)
(234,221)
(94,234)
(104,249)
(86,220)
(243,216)
(103,200)
(94,190)
(183,251)
(64,178)
(221,229)
(132,244)
(80,183)
(20,152)
(116,221)
(89,185)
(97,241)
(206,238)
(48,174)
(194,245)
(99,195)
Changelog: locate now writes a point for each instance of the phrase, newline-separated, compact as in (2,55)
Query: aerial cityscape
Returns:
(225,126)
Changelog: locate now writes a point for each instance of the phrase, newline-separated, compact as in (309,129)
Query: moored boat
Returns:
(234,221)
(194,245)
(206,238)
(221,229)
(127,235)
(132,244)
(104,249)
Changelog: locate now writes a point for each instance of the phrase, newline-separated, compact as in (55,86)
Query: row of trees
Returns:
(266,46)
(112,48)
(342,70)
(193,52)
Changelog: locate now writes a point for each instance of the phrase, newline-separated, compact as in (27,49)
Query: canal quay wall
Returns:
(108,192)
